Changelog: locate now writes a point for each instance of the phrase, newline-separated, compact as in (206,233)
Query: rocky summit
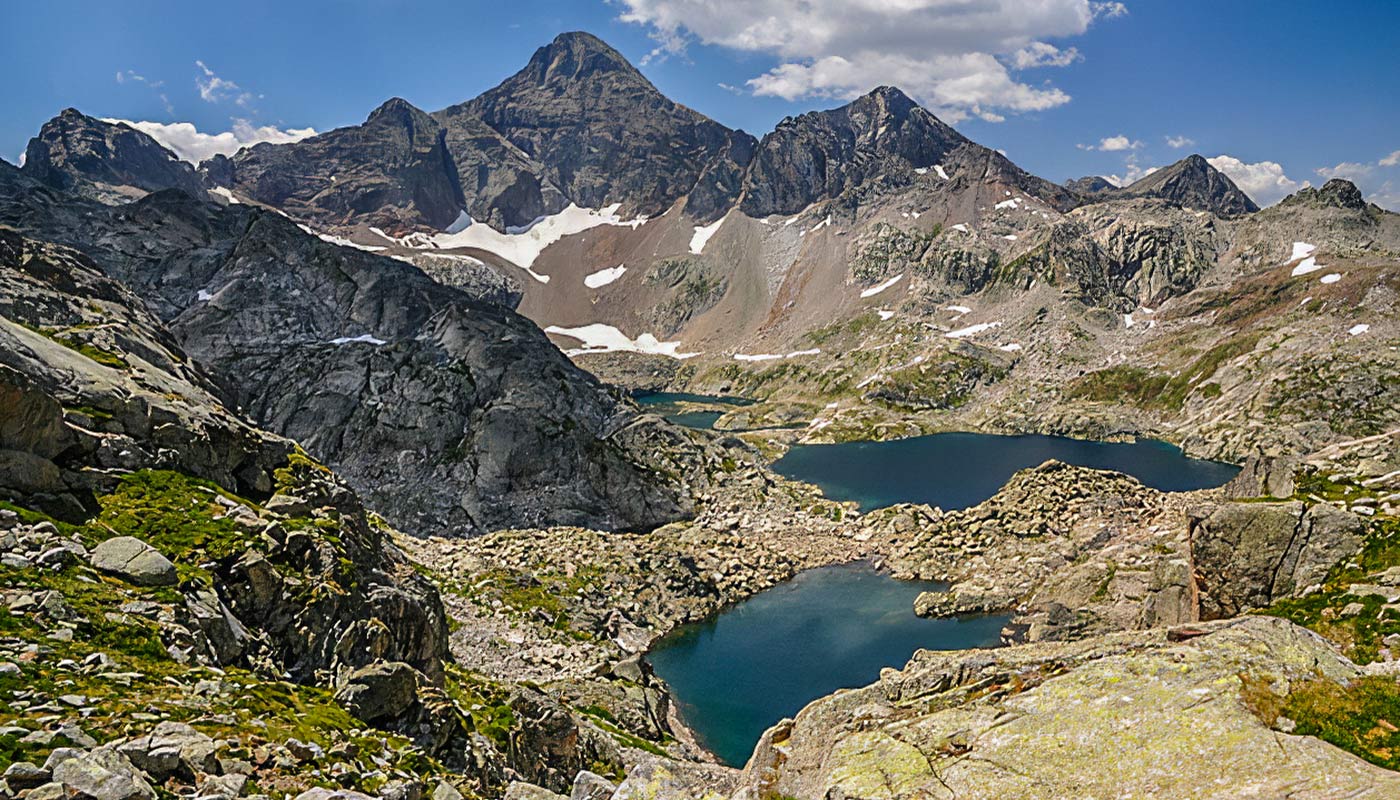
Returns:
(374,465)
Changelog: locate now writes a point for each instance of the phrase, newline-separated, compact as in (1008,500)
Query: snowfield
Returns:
(703,234)
(600,338)
(603,277)
(522,246)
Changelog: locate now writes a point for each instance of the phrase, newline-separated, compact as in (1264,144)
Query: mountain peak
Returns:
(1336,193)
(1192,182)
(107,161)
(398,110)
(577,54)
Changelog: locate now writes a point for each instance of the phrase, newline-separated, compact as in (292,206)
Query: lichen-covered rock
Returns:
(1112,716)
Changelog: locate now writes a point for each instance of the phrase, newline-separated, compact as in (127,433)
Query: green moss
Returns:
(172,512)
(1160,391)
(1362,717)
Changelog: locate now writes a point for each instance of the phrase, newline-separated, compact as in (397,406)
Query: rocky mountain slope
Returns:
(605,135)
(446,411)
(1192,183)
(107,161)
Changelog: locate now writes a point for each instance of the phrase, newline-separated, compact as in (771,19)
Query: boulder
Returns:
(591,786)
(173,748)
(134,561)
(1246,555)
(379,692)
(23,775)
(518,790)
(100,774)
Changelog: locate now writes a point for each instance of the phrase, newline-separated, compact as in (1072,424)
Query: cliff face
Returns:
(105,161)
(450,414)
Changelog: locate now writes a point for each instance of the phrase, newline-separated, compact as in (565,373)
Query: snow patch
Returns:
(1012,203)
(703,234)
(939,169)
(600,338)
(1357,330)
(340,240)
(775,356)
(1305,266)
(1010,348)
(972,330)
(921,170)
(522,245)
(1333,278)
(821,224)
(603,277)
(1010,237)
(959,227)
(363,338)
(959,309)
(874,290)
(884,315)
(204,296)
(226,194)
(1128,320)
(1302,250)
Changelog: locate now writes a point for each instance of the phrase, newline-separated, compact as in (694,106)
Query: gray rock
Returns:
(49,791)
(1249,554)
(23,775)
(101,774)
(135,561)
(379,692)
(591,786)
(172,748)
(518,790)
(108,161)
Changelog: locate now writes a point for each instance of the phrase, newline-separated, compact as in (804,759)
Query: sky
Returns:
(1278,94)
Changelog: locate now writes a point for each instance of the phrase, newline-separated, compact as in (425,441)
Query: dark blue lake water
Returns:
(765,658)
(957,470)
(671,406)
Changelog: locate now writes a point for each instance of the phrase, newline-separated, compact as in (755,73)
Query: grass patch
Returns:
(1362,718)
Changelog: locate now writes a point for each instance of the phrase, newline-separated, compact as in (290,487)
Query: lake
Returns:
(681,407)
(765,658)
(957,470)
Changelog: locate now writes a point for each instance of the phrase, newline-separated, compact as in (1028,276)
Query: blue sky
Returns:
(1289,91)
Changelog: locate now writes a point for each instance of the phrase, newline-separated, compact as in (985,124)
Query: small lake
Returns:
(738,673)
(680,407)
(957,470)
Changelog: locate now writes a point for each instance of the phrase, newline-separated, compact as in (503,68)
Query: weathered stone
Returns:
(519,790)
(100,774)
(591,786)
(23,775)
(379,692)
(135,561)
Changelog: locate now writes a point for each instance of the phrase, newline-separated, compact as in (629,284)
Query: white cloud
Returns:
(1178,142)
(191,145)
(1349,170)
(1043,54)
(1372,179)
(213,89)
(951,55)
(1132,173)
(1391,160)
(1112,144)
(133,77)
(1264,181)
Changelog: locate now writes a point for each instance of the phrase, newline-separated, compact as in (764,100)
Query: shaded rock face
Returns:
(874,144)
(1246,555)
(1091,184)
(606,135)
(502,186)
(821,154)
(105,161)
(450,414)
(392,171)
(1192,182)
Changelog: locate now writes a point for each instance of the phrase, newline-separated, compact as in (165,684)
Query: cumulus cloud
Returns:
(1264,181)
(193,146)
(1132,173)
(1043,54)
(1391,160)
(1178,142)
(1377,181)
(1112,144)
(954,56)
(213,89)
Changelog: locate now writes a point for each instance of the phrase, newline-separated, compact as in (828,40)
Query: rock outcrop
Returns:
(449,413)
(395,171)
(1192,183)
(1247,555)
(107,161)
(1112,716)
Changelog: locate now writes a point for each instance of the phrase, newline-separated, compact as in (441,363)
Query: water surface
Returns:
(765,658)
(957,470)
(674,406)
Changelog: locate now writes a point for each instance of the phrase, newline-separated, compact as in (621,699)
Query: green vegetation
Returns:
(174,513)
(1160,391)
(104,357)
(1362,717)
